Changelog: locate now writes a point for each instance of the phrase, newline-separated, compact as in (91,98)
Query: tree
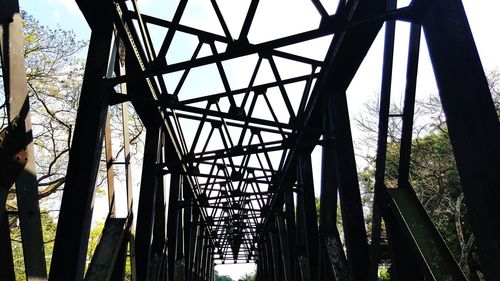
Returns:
(433,172)
(248,277)
(49,231)
(434,177)
(222,277)
(54,71)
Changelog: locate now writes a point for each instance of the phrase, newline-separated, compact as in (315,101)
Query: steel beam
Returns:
(101,266)
(307,224)
(147,199)
(403,265)
(70,248)
(6,258)
(108,152)
(158,246)
(16,96)
(284,248)
(379,202)
(472,121)
(172,223)
(276,251)
(331,244)
(120,265)
(342,61)
(421,236)
(348,187)
(191,232)
(186,233)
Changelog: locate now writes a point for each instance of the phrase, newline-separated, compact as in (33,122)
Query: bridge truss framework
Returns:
(239,202)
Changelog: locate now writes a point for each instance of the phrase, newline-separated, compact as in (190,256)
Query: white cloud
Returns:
(69,6)
(56,15)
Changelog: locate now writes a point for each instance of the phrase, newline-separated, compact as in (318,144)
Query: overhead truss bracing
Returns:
(231,122)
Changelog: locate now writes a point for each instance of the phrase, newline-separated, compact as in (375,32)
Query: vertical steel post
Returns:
(172,224)
(409,105)
(383,127)
(348,186)
(147,199)
(158,245)
(263,253)
(271,265)
(472,122)
(186,230)
(200,245)
(6,259)
(291,232)
(130,237)
(403,266)
(203,256)
(284,248)
(108,145)
(16,94)
(335,260)
(70,248)
(307,225)
(194,227)
(109,167)
(275,249)
(345,55)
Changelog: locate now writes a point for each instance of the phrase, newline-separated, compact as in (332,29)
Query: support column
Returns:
(147,199)
(472,122)
(348,186)
(70,248)
(16,93)
(379,201)
(275,249)
(307,224)
(158,246)
(284,248)
(335,261)
(291,232)
(186,232)
(6,259)
(129,240)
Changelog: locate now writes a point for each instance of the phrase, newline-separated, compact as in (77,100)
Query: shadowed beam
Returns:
(472,122)
(70,247)
(16,97)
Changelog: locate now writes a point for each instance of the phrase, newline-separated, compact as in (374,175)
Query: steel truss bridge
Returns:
(222,182)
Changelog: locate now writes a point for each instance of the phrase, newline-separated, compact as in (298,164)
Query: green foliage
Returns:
(49,227)
(94,237)
(433,173)
(383,274)
(54,72)
(248,277)
(222,277)
(49,232)
(317,201)
(339,214)
(434,177)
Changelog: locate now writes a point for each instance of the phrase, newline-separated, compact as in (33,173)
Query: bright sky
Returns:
(482,14)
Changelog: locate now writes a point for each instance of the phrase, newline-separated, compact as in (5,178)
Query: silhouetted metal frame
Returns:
(70,247)
(472,121)
(147,201)
(6,259)
(355,26)
(17,101)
